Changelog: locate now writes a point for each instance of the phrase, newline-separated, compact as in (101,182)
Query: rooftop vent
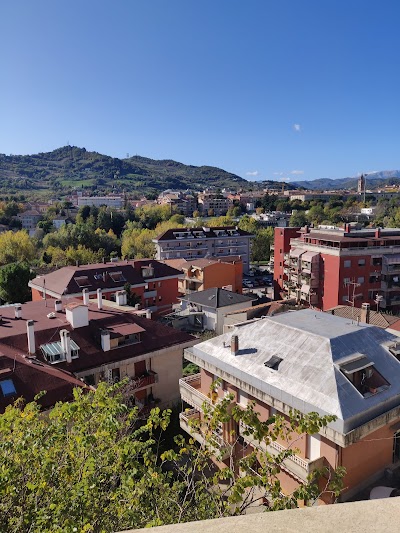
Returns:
(273,362)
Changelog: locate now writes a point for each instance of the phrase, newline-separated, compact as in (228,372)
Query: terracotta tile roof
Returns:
(13,334)
(29,377)
(382,320)
(99,276)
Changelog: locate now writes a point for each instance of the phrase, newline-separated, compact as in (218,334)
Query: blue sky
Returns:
(280,89)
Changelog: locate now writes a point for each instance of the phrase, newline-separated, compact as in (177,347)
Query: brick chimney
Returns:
(365,312)
(234,344)
(377,233)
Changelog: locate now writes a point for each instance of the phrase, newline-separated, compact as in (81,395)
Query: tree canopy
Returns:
(94,465)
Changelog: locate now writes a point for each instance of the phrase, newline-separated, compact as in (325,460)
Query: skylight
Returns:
(273,362)
(117,276)
(7,387)
(82,281)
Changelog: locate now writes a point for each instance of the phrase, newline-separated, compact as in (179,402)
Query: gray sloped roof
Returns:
(216,298)
(311,344)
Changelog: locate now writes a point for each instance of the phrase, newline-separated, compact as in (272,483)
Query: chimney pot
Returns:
(30,328)
(18,311)
(85,294)
(365,313)
(234,344)
(58,306)
(100,299)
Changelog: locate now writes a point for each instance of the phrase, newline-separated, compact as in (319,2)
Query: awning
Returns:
(354,365)
(308,256)
(296,252)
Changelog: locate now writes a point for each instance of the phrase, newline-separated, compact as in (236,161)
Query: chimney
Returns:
(365,311)
(105,341)
(66,345)
(347,228)
(148,314)
(58,306)
(30,329)
(120,298)
(99,298)
(85,294)
(234,344)
(18,311)
(377,233)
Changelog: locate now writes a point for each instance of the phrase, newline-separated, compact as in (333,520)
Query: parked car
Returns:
(248,284)
(383,492)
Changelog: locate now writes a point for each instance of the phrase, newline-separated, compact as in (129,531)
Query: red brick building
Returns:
(155,283)
(328,266)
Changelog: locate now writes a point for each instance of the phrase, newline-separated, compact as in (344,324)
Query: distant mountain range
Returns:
(375,179)
(67,168)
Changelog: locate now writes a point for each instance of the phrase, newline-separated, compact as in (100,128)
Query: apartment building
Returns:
(202,274)
(155,283)
(183,202)
(329,266)
(312,362)
(196,243)
(29,219)
(97,343)
(110,201)
(212,201)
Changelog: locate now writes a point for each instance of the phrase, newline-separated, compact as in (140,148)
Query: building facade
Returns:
(329,266)
(312,363)
(155,284)
(196,243)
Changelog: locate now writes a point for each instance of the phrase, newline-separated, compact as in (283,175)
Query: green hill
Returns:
(70,167)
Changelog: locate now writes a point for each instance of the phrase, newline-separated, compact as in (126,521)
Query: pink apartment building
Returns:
(310,361)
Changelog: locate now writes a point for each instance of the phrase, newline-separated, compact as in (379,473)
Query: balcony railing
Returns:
(295,465)
(144,380)
(214,441)
(190,391)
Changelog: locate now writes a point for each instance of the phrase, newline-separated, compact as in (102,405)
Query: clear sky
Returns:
(265,89)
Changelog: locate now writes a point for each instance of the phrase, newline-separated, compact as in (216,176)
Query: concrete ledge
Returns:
(374,515)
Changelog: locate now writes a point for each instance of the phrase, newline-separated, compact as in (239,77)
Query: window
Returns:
(347,263)
(360,280)
(345,298)
(374,278)
(82,281)
(159,298)
(7,387)
(361,262)
(377,261)
(362,374)
(159,284)
(346,280)
(117,277)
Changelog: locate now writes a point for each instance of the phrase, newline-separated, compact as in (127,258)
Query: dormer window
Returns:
(82,281)
(117,277)
(363,375)
(53,352)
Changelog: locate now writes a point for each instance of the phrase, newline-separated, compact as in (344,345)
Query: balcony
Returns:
(295,465)
(144,380)
(215,442)
(189,388)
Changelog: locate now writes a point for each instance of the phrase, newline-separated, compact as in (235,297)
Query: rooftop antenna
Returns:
(351,287)
(378,299)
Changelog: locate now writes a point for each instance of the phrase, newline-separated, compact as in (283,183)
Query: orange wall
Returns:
(366,457)
(221,274)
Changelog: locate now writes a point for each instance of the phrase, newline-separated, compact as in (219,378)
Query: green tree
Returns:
(92,465)
(298,219)
(14,279)
(16,246)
